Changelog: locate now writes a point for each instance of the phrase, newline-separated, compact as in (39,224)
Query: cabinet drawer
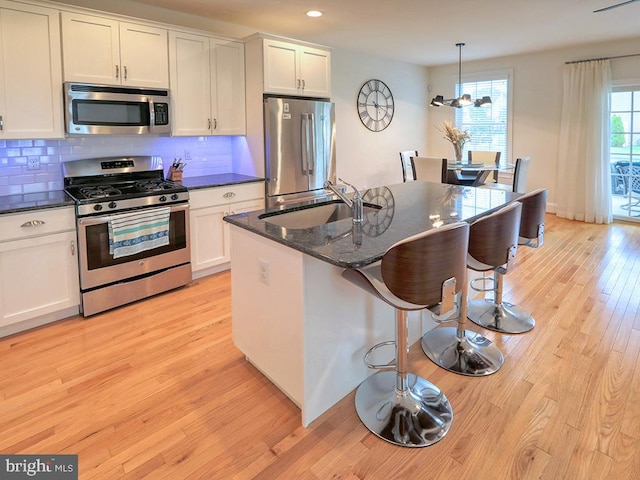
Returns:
(15,226)
(207,197)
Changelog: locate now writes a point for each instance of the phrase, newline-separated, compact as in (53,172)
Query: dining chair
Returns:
(430,169)
(486,157)
(408,171)
(520,173)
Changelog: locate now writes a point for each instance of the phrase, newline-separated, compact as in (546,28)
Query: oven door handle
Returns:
(88,221)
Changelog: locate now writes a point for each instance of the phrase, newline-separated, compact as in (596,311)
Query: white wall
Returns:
(366,158)
(537,102)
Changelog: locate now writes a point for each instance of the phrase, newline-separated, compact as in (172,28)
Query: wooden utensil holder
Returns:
(175,175)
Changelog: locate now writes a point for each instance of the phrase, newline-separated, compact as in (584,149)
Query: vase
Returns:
(457,148)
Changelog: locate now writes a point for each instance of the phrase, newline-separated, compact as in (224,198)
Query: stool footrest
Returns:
(379,366)
(475,281)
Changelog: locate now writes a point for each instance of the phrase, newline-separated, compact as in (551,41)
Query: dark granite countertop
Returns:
(23,202)
(218,180)
(57,198)
(407,209)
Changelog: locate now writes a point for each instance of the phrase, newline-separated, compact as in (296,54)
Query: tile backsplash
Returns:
(28,166)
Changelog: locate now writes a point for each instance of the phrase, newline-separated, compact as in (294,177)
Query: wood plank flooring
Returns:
(157,390)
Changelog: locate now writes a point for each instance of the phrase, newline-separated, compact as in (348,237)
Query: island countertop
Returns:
(406,209)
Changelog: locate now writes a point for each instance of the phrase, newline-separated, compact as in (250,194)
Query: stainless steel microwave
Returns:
(113,110)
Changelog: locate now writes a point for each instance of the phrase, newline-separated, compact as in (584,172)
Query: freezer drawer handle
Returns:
(229,195)
(32,223)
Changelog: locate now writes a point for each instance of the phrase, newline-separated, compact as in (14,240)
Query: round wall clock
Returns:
(375,105)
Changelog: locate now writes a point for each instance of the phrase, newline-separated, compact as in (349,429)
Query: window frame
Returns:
(484,76)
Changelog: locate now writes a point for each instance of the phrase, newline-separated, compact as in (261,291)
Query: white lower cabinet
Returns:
(210,241)
(38,269)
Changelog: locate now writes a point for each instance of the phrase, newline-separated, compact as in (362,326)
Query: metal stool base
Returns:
(472,355)
(418,417)
(504,317)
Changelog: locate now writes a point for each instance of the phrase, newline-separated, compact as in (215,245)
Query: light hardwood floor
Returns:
(157,390)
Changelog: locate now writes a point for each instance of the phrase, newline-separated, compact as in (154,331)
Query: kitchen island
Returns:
(294,316)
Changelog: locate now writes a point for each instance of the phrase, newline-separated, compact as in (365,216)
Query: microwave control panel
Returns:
(161,111)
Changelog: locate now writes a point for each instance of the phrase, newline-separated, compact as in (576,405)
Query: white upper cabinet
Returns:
(207,85)
(30,72)
(104,51)
(292,69)
(228,92)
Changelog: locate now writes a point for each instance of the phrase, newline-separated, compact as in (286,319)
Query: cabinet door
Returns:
(280,67)
(144,57)
(228,93)
(190,84)
(315,72)
(209,241)
(91,51)
(37,276)
(30,72)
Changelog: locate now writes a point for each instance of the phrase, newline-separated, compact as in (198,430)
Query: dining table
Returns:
(474,174)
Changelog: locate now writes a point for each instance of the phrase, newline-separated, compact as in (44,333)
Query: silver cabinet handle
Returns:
(299,84)
(1,123)
(215,123)
(208,124)
(125,72)
(32,223)
(117,71)
(304,84)
(73,248)
(229,195)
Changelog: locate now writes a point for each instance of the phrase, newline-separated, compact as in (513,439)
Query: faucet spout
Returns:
(356,203)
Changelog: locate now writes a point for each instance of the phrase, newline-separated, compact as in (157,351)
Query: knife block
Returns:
(175,175)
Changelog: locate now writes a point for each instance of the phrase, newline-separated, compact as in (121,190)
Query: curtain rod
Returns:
(603,58)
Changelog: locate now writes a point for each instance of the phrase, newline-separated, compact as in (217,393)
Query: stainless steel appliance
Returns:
(103,190)
(111,110)
(299,148)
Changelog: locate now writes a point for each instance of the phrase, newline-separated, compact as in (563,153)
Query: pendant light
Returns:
(463,100)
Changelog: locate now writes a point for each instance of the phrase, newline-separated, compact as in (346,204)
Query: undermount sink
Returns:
(312,215)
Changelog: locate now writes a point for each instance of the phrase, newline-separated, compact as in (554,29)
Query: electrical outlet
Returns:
(33,163)
(263,271)
(187,155)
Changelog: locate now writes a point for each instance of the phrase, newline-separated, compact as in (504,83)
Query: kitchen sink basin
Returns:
(313,215)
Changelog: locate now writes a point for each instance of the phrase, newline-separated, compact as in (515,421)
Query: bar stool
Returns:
(492,247)
(455,348)
(534,206)
(420,271)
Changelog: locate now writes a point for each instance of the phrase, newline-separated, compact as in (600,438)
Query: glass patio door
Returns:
(624,129)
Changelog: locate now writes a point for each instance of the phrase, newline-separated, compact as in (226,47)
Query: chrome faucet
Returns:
(356,203)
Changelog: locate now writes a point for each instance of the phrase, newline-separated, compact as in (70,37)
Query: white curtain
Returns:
(583,183)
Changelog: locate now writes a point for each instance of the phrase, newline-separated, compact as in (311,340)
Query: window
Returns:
(624,147)
(489,125)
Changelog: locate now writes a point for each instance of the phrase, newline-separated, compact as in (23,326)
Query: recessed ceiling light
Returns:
(314,13)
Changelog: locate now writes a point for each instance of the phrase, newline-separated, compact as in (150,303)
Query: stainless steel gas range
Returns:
(133,230)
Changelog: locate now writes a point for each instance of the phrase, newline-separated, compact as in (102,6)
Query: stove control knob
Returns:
(162,198)
(97,207)
(174,196)
(113,204)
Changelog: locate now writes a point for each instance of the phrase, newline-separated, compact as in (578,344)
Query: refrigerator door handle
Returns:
(304,140)
(311,159)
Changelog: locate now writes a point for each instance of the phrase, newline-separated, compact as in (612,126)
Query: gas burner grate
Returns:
(155,185)
(100,191)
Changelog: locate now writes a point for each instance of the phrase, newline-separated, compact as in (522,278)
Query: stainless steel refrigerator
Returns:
(299,148)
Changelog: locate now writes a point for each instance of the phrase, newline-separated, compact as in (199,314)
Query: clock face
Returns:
(375,105)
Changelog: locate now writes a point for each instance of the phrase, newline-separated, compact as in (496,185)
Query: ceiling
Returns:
(425,31)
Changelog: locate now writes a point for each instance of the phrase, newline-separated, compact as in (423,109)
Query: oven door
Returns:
(98,267)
